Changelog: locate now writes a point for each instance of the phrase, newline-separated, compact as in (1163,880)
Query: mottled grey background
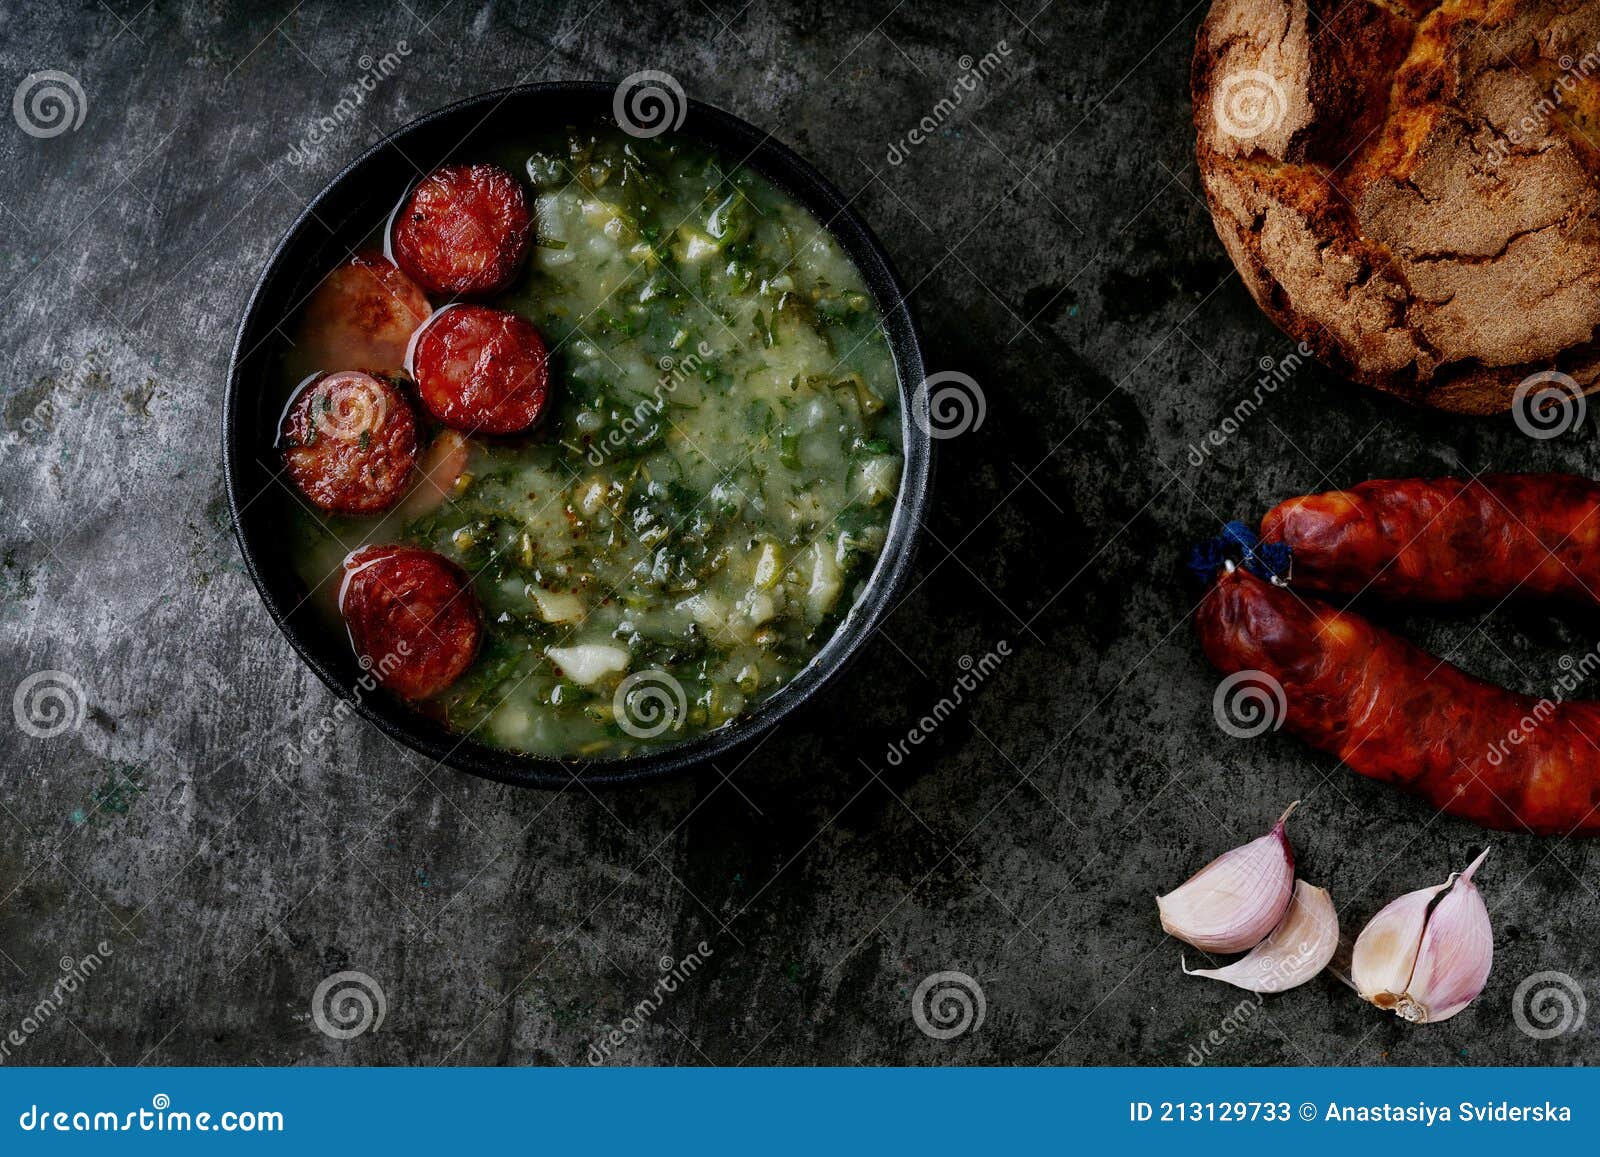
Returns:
(1057,251)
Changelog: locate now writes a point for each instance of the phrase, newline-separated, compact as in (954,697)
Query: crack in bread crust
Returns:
(1411,186)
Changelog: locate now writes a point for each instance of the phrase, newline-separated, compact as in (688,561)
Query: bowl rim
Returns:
(798,179)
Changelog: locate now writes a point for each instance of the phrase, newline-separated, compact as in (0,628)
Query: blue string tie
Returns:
(1240,545)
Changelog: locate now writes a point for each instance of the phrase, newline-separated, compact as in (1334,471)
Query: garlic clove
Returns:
(1456,954)
(1296,950)
(1232,903)
(1385,954)
(1427,955)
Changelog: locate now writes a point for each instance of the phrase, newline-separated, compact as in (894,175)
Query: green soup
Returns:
(713,484)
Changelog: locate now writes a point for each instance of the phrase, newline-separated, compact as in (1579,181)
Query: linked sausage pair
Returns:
(1387,708)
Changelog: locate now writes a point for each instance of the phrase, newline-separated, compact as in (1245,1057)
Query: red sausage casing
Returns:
(349,441)
(481,370)
(464,231)
(1393,712)
(412,617)
(1447,540)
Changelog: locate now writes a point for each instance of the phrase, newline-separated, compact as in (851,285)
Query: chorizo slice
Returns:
(349,441)
(1447,540)
(1393,712)
(464,231)
(361,316)
(412,617)
(481,370)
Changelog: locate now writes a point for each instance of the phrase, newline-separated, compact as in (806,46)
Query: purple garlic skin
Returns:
(1427,955)
(1236,900)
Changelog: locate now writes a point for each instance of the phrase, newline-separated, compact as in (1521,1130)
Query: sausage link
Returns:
(1447,540)
(1395,713)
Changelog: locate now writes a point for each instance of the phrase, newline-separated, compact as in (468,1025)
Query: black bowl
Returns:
(348,209)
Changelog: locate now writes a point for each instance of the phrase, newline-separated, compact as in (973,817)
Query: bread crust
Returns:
(1409,186)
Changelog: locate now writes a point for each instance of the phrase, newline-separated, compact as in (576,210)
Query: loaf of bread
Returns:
(1410,186)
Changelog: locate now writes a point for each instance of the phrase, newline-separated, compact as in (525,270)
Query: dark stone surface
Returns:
(1059,253)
